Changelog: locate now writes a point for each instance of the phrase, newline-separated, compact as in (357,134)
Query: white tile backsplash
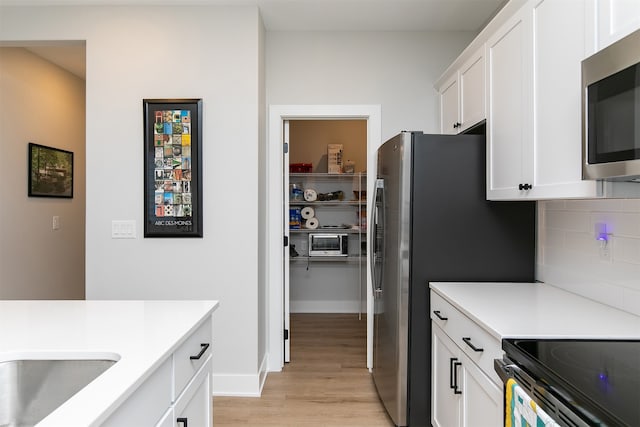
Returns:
(570,257)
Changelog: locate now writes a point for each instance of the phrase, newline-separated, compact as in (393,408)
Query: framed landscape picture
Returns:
(50,172)
(172,167)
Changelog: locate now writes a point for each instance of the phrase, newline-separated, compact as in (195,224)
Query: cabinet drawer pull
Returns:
(467,341)
(183,421)
(204,348)
(456,390)
(439,316)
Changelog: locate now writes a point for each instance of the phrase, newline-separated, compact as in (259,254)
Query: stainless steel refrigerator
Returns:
(432,222)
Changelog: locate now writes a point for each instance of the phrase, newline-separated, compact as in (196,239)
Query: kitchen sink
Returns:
(32,389)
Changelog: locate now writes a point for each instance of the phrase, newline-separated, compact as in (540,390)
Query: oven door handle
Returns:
(503,369)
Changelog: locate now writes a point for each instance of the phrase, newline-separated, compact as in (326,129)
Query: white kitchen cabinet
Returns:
(449,106)
(179,389)
(462,96)
(462,395)
(509,87)
(616,19)
(482,400)
(445,403)
(193,406)
(465,388)
(167,420)
(534,103)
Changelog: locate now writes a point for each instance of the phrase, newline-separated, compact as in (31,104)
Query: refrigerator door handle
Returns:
(375,228)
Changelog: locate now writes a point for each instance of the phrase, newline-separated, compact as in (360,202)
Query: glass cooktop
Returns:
(599,376)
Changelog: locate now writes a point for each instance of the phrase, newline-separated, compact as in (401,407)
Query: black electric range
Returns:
(598,379)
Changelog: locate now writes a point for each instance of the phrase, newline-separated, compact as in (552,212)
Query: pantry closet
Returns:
(327,207)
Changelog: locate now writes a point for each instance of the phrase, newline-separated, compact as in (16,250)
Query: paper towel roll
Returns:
(310,195)
(308,212)
(311,223)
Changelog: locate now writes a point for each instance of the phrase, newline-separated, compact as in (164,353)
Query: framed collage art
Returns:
(50,172)
(172,167)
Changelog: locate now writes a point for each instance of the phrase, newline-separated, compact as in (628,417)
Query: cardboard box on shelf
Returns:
(334,158)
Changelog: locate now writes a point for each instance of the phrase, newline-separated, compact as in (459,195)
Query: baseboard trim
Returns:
(236,385)
(241,385)
(326,307)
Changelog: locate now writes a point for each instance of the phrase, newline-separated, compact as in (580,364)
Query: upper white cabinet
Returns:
(449,106)
(532,52)
(509,136)
(560,44)
(534,103)
(462,96)
(616,19)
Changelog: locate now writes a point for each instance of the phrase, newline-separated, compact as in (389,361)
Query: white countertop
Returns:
(537,310)
(139,334)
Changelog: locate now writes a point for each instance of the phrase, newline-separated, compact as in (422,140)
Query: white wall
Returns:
(44,104)
(393,69)
(570,257)
(169,52)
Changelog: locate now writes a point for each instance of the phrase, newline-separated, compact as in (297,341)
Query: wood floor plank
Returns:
(325,384)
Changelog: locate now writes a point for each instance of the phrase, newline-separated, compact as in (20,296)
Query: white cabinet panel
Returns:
(193,407)
(465,389)
(462,96)
(167,419)
(616,19)
(445,404)
(509,84)
(534,103)
(449,107)
(559,41)
(481,398)
(472,91)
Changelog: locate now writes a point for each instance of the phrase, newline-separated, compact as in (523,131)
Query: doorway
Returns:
(278,115)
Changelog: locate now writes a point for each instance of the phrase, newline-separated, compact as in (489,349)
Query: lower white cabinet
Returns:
(193,407)
(178,392)
(167,420)
(462,395)
(465,389)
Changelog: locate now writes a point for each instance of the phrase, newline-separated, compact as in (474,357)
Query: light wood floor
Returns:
(325,384)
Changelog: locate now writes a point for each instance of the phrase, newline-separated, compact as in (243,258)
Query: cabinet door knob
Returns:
(525,187)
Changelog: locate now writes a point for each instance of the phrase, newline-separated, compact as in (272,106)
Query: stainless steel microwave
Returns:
(324,244)
(611,112)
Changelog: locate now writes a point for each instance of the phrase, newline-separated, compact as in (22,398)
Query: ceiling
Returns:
(305,15)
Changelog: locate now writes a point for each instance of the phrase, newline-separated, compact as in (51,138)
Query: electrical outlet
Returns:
(603,237)
(604,252)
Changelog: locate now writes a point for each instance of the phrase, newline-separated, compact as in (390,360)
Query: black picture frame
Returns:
(50,172)
(172,167)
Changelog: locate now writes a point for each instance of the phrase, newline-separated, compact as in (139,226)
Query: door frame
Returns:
(275,202)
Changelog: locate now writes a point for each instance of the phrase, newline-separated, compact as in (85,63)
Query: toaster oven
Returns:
(328,244)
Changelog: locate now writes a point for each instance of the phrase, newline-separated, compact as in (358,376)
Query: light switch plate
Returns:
(123,229)
(56,222)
